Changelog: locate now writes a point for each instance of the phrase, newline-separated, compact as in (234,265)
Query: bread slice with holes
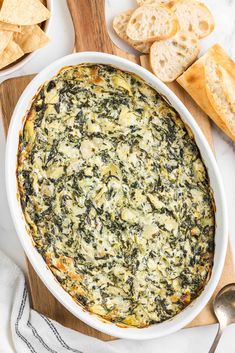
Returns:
(120,24)
(169,58)
(152,2)
(150,23)
(193,16)
(211,83)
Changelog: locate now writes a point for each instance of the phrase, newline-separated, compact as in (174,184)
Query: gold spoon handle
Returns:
(217,339)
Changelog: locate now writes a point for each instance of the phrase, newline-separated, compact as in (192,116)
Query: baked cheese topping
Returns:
(116,196)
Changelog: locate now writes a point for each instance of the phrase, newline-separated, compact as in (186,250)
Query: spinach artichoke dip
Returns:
(115,195)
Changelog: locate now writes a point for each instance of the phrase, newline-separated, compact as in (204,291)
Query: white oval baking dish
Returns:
(221,236)
(27,57)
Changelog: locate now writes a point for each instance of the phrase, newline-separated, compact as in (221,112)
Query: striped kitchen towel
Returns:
(23,330)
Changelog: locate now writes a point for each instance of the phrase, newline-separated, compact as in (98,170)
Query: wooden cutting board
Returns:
(91,35)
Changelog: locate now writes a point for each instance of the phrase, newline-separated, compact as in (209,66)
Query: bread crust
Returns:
(194,82)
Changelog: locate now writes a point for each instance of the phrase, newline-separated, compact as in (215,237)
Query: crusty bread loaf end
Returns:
(200,86)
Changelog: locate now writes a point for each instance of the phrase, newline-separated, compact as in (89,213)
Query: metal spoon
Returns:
(224,308)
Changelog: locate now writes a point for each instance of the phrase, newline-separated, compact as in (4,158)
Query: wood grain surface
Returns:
(89,22)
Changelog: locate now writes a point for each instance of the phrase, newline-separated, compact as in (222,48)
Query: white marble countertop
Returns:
(62,40)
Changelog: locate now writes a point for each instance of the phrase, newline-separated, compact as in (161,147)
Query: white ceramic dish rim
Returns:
(27,58)
(221,236)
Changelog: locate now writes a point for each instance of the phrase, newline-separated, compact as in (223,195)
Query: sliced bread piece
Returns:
(210,81)
(120,24)
(152,2)
(169,58)
(150,23)
(193,16)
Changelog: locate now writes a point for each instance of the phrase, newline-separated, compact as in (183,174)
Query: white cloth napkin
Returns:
(23,330)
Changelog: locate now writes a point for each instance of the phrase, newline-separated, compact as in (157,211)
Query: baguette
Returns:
(152,2)
(171,57)
(120,24)
(228,87)
(211,83)
(150,23)
(193,16)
